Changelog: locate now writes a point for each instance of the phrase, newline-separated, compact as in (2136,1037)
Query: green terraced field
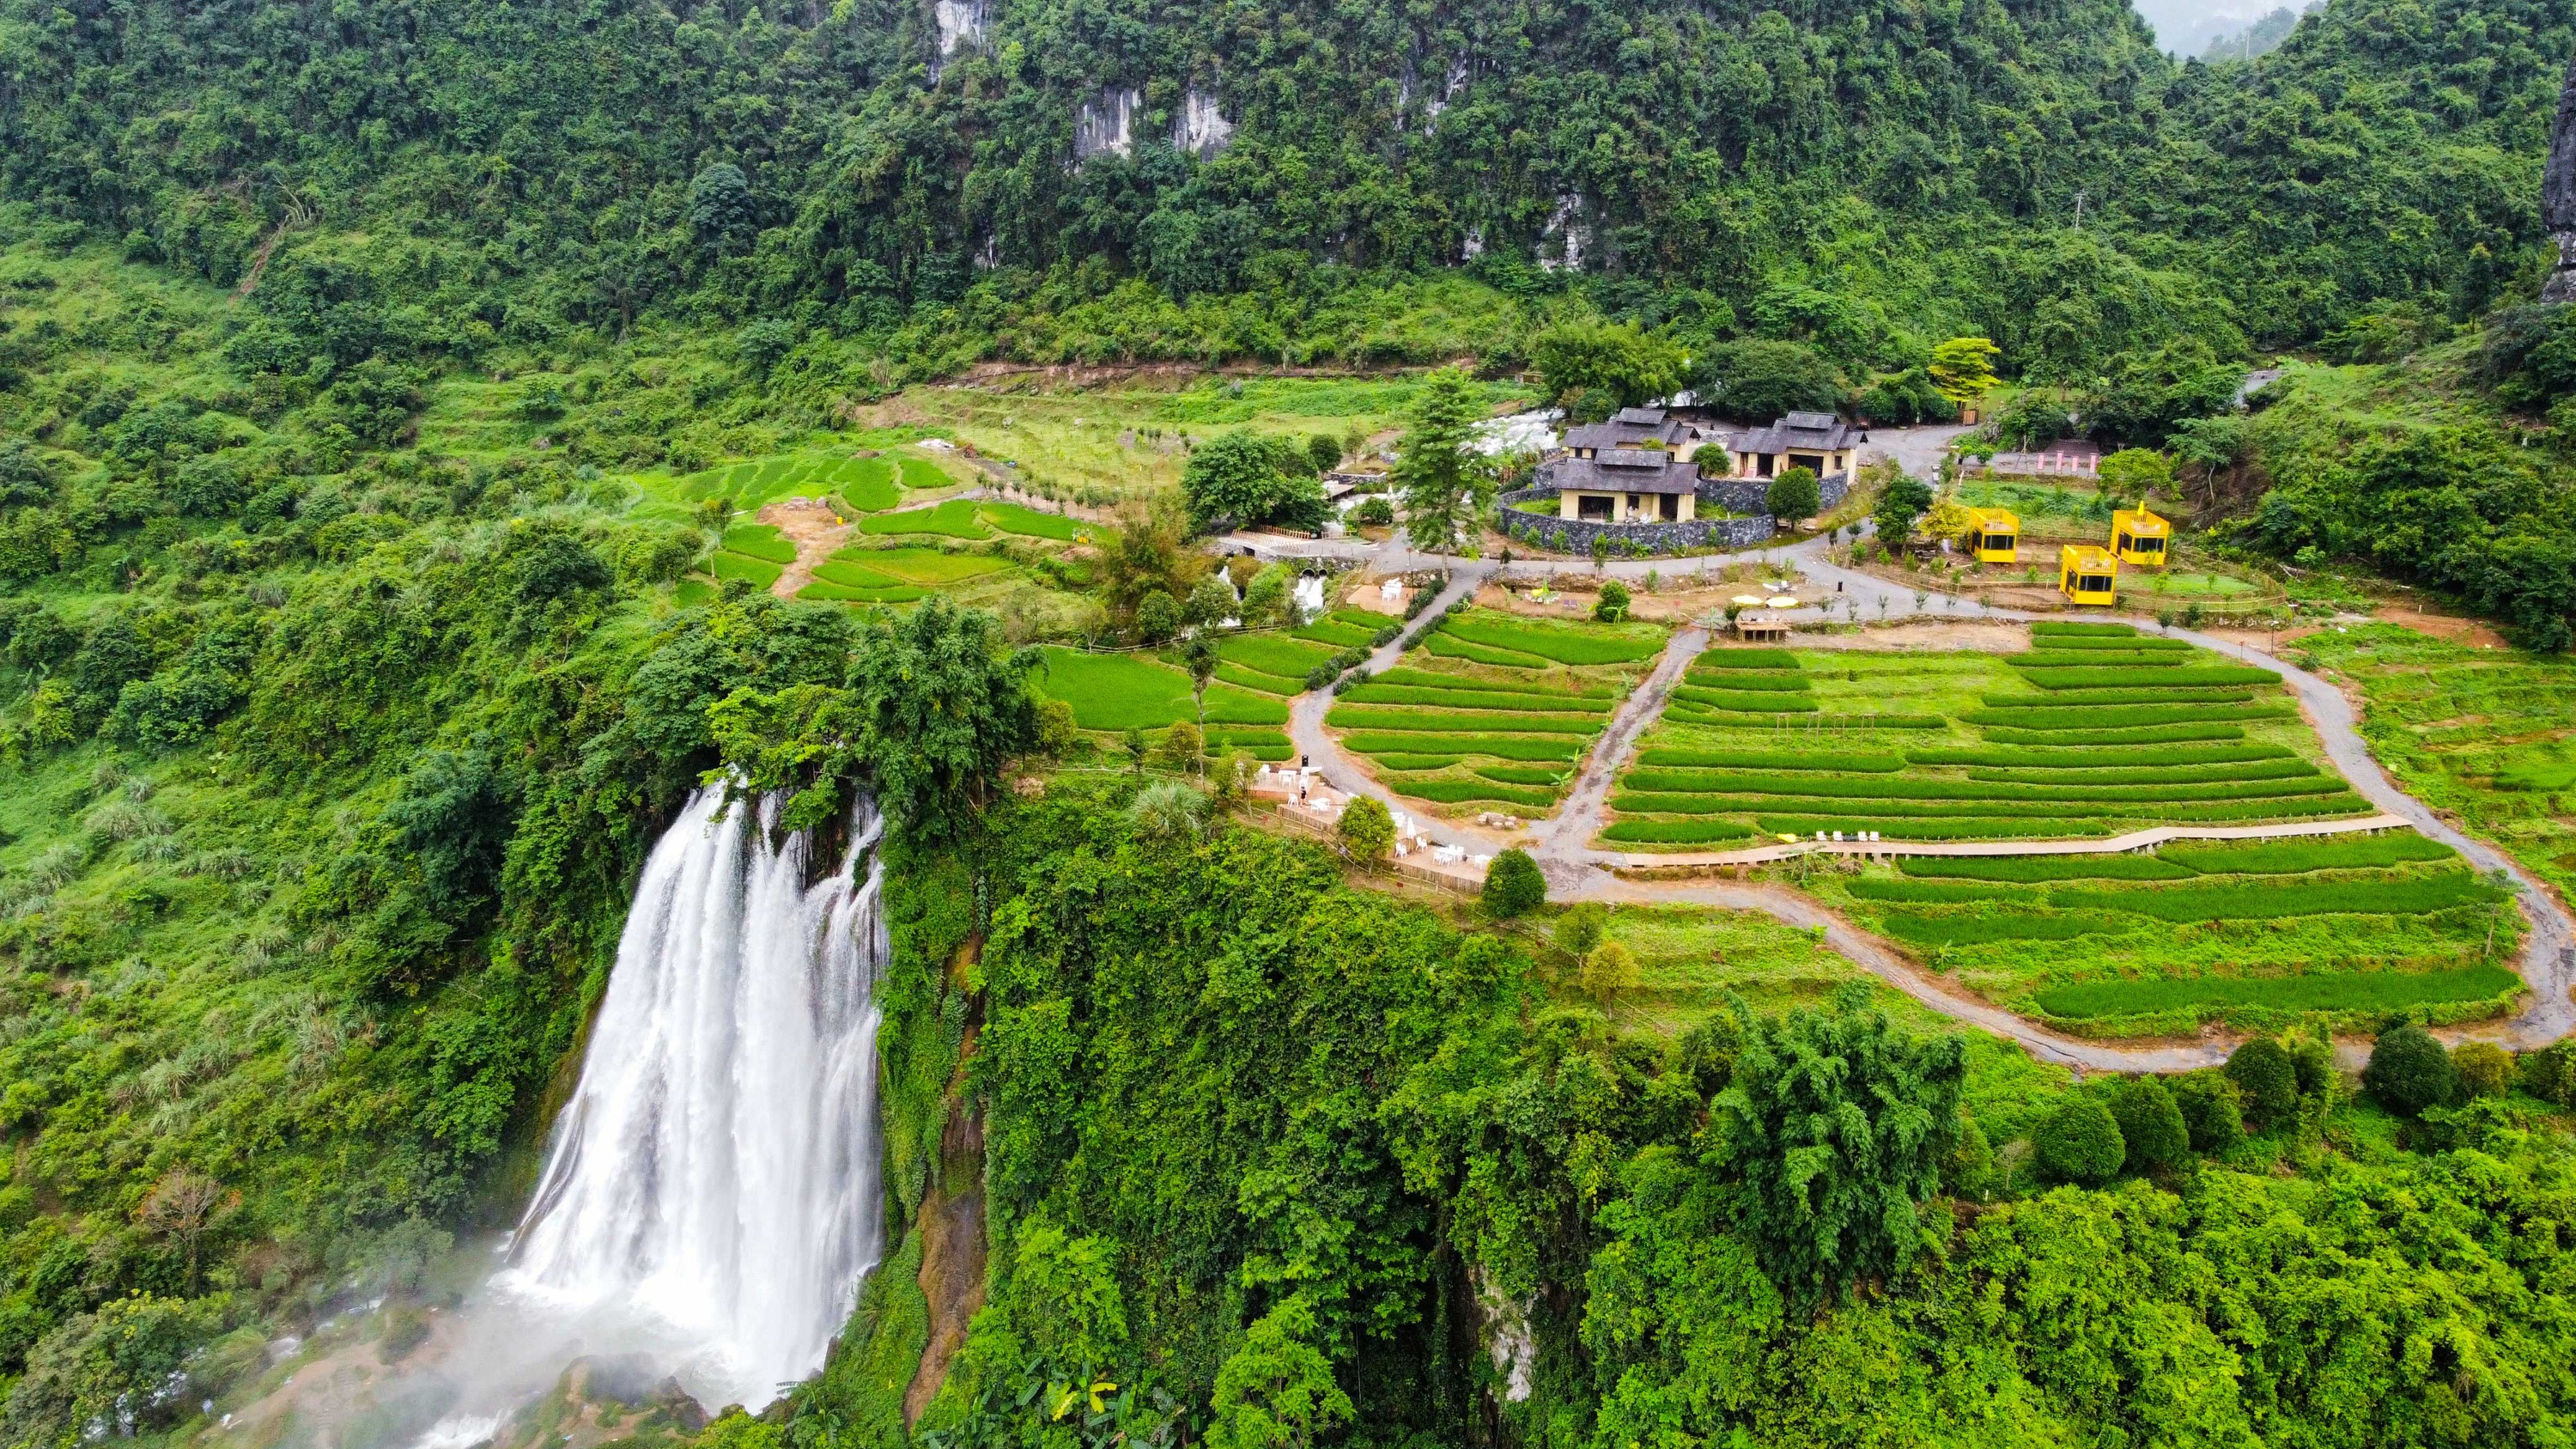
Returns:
(1031,523)
(1450,730)
(760,571)
(760,541)
(1561,642)
(1138,691)
(924,566)
(2256,935)
(1282,655)
(866,485)
(952,519)
(1921,746)
(1346,628)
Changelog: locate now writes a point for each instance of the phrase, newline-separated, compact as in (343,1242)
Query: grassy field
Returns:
(1129,440)
(1691,959)
(2487,733)
(2253,935)
(1112,692)
(2091,732)
(1476,735)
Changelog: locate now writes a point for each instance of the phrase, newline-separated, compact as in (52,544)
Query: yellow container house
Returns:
(2140,537)
(2086,575)
(1995,534)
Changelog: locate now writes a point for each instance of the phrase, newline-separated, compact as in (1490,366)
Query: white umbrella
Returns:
(1783,602)
(1748,598)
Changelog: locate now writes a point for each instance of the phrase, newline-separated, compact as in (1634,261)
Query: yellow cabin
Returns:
(2086,575)
(2139,537)
(1996,534)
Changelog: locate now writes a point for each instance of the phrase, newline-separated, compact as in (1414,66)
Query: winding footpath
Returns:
(1577,870)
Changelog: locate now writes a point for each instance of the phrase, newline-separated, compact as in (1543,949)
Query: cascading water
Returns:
(717,1168)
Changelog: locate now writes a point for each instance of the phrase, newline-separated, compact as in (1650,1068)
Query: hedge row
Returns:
(2094,759)
(1701,714)
(2153,774)
(2119,716)
(1566,644)
(2099,631)
(2094,658)
(1930,892)
(2035,869)
(1361,717)
(1677,832)
(1754,679)
(2270,902)
(1746,701)
(1450,647)
(2293,857)
(1919,828)
(1474,742)
(2119,696)
(2051,639)
(1723,658)
(2141,735)
(1374,692)
(1981,930)
(1523,774)
(1771,760)
(2111,678)
(1251,678)
(2069,816)
(1451,791)
(1434,679)
(1882,787)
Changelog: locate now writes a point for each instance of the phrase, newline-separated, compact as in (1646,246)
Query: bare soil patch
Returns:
(2472,632)
(815,530)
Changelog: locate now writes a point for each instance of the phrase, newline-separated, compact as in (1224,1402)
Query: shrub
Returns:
(2119,716)
(1724,657)
(2293,857)
(2312,1060)
(1794,495)
(2110,677)
(2485,1069)
(2408,1071)
(1374,513)
(1676,832)
(2212,1111)
(2151,1126)
(1608,969)
(2267,1082)
(2550,1073)
(1514,885)
(1579,929)
(1367,830)
(2139,735)
(1612,605)
(2042,757)
(1771,760)
(2271,902)
(2031,870)
(2079,1143)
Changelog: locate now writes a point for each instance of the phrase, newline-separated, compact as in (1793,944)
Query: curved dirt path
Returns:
(1578,871)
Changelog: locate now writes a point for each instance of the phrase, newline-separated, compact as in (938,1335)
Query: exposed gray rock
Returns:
(2558,194)
(1106,124)
(1201,129)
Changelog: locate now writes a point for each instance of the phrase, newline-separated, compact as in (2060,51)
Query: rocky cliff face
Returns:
(2558,195)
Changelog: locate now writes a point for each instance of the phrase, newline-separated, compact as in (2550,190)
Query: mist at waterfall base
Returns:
(709,1201)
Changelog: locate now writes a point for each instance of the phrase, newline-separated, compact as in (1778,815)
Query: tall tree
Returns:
(1838,1122)
(1444,485)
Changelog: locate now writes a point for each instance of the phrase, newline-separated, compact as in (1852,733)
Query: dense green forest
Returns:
(343,685)
(446,182)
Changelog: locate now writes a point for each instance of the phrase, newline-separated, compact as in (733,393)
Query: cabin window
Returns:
(1592,506)
(1811,462)
(1672,508)
(1998,541)
(1762,464)
(2093,584)
(2150,545)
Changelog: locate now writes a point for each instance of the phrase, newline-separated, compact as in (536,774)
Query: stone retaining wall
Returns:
(1741,496)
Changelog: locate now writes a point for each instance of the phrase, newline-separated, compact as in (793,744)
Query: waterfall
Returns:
(716,1171)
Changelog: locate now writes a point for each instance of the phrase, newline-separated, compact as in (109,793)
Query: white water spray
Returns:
(717,1170)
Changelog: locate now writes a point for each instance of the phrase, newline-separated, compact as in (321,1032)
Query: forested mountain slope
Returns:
(896,188)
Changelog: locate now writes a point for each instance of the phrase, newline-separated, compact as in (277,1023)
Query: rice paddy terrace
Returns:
(1491,712)
(2095,731)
